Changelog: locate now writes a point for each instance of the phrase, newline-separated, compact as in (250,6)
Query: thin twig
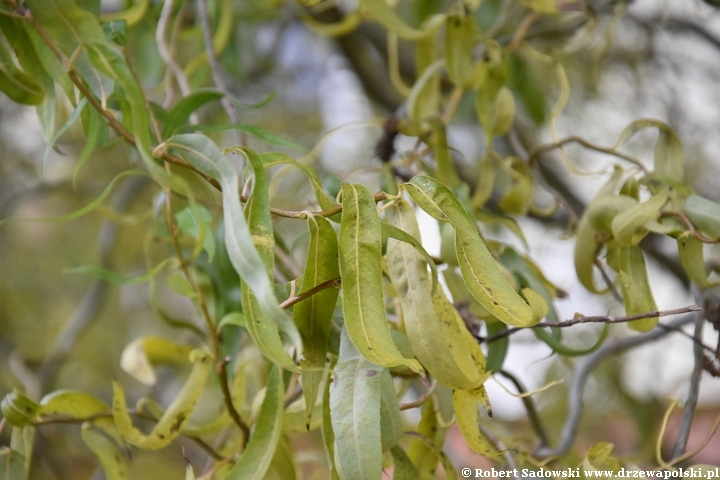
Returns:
(216,69)
(332,283)
(548,147)
(608,281)
(522,30)
(594,319)
(580,377)
(690,227)
(420,401)
(692,398)
(532,412)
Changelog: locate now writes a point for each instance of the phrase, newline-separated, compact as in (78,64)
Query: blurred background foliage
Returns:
(624,60)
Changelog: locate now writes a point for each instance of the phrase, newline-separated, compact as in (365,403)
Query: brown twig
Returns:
(522,30)
(608,281)
(532,412)
(548,147)
(420,401)
(594,319)
(690,227)
(333,283)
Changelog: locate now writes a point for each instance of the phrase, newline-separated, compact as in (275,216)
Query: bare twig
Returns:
(216,69)
(594,319)
(522,30)
(332,283)
(532,412)
(548,147)
(690,227)
(582,372)
(608,281)
(692,398)
(420,401)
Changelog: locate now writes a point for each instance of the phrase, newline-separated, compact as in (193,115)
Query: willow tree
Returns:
(326,319)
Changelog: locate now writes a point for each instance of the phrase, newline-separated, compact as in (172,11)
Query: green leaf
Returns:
(424,99)
(51,144)
(390,231)
(313,316)
(704,214)
(233,318)
(250,251)
(12,465)
(518,197)
(276,158)
(436,453)
(132,15)
(260,450)
(391,426)
(602,211)
(111,459)
(669,151)
(141,355)
(116,32)
(178,117)
(480,272)
(542,6)
(460,42)
(283,465)
(465,404)
(115,278)
(22,441)
(18,409)
(265,135)
(175,417)
(15,83)
(404,469)
(636,290)
(693,259)
(197,222)
(431,322)
(628,226)
(327,431)
(355,396)
(361,272)
(94,130)
(382,12)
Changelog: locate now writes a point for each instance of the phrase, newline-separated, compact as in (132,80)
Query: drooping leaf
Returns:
(251,253)
(437,454)
(283,465)
(17,84)
(669,151)
(131,15)
(430,320)
(637,294)
(404,469)
(18,409)
(328,435)
(258,454)
(313,316)
(355,396)
(693,259)
(95,124)
(465,404)
(390,420)
(628,226)
(175,417)
(198,223)
(12,465)
(111,459)
(480,272)
(115,278)
(518,197)
(261,133)
(361,273)
(460,43)
(382,12)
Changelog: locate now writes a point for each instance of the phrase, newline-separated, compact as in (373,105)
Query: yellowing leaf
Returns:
(361,273)
(628,226)
(175,417)
(480,272)
(636,290)
(111,459)
(693,259)
(465,404)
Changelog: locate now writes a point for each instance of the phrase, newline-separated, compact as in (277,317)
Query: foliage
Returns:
(332,348)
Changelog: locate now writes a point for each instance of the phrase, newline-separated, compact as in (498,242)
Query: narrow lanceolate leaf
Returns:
(361,273)
(430,324)
(12,465)
(669,151)
(390,420)
(460,41)
(465,404)
(175,417)
(636,290)
(355,412)
(693,259)
(15,83)
(589,240)
(250,251)
(261,448)
(480,272)
(111,459)
(313,316)
(382,12)
(628,226)
(327,431)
